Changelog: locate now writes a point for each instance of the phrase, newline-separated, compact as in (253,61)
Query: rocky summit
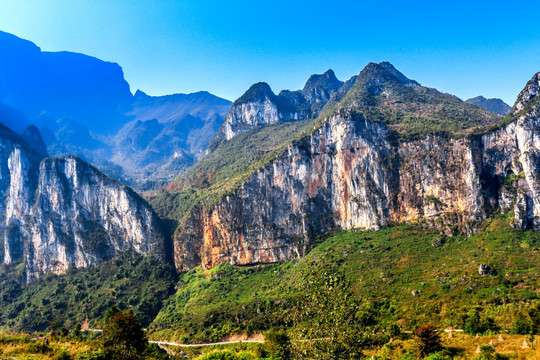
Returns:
(361,168)
(259,106)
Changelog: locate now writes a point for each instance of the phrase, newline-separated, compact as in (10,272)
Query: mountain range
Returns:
(374,162)
(387,150)
(83,106)
(496,106)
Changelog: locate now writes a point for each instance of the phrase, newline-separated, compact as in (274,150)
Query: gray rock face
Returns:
(82,217)
(486,270)
(348,174)
(62,213)
(259,106)
(19,167)
(528,94)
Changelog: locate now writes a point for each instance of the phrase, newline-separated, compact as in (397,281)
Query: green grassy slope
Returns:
(385,267)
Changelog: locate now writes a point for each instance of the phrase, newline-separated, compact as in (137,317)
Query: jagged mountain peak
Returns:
(529,95)
(256,92)
(13,137)
(383,73)
(139,94)
(402,78)
(327,81)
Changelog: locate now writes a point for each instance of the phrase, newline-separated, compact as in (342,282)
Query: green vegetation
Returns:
(123,339)
(222,171)
(330,322)
(402,278)
(412,112)
(429,340)
(123,336)
(140,284)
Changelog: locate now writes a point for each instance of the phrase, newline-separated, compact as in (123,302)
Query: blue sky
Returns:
(465,48)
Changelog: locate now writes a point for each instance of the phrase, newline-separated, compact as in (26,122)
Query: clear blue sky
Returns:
(462,47)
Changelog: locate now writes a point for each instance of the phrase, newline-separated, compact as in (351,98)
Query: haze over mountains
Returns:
(83,106)
(496,106)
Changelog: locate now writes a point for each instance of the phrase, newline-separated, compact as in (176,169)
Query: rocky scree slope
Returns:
(371,163)
(62,213)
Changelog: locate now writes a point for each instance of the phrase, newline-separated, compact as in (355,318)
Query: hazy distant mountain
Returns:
(62,85)
(83,106)
(169,133)
(496,106)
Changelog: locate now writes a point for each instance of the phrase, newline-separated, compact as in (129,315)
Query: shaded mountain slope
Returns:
(496,106)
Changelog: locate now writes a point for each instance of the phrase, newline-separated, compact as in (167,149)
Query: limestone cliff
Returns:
(259,106)
(19,167)
(62,213)
(82,217)
(354,172)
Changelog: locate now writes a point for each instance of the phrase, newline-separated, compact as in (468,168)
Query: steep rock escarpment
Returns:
(62,213)
(82,217)
(19,167)
(354,173)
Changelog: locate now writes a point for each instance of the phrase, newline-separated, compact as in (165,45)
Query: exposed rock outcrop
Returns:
(62,213)
(259,106)
(352,173)
(82,217)
(19,168)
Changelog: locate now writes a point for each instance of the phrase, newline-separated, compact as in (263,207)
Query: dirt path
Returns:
(204,344)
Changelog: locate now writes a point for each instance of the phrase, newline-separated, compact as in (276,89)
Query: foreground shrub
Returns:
(428,339)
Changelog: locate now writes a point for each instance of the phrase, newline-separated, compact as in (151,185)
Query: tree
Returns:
(123,336)
(522,324)
(428,339)
(328,320)
(279,344)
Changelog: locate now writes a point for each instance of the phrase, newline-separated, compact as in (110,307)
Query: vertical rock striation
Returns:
(82,217)
(62,213)
(354,173)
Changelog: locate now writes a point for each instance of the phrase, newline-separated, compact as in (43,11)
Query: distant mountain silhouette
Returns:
(83,106)
(496,106)
(63,85)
